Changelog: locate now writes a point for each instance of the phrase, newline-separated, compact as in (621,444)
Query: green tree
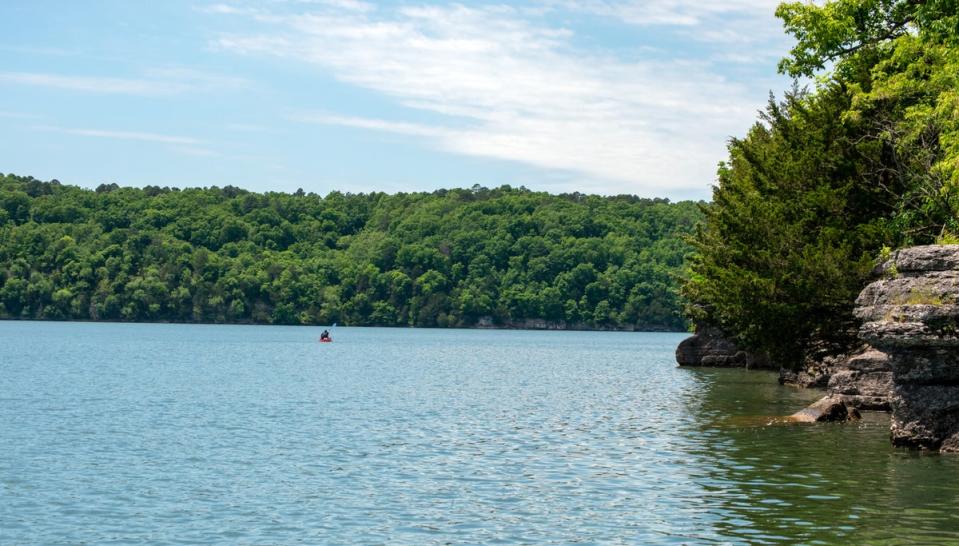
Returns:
(445,258)
(827,178)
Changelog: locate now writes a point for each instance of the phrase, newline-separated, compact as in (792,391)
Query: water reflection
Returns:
(829,483)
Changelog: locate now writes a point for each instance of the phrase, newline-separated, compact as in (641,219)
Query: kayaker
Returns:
(325,334)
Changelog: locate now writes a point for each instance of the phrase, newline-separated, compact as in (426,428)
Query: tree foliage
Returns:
(835,30)
(827,178)
(447,258)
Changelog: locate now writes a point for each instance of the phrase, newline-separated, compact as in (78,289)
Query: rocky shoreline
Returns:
(708,346)
(911,315)
(909,361)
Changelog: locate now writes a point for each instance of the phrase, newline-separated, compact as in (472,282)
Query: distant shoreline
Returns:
(551,327)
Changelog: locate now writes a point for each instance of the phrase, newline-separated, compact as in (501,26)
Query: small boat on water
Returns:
(326,340)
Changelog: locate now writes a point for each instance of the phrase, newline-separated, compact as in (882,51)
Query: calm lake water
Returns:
(192,434)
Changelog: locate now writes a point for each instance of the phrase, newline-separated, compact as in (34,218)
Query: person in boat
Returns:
(325,334)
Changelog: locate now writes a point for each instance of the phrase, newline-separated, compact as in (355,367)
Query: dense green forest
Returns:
(447,258)
(834,175)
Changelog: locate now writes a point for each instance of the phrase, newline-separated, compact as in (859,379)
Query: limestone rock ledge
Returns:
(864,380)
(912,317)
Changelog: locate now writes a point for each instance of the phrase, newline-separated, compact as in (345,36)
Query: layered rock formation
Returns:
(911,318)
(864,380)
(709,347)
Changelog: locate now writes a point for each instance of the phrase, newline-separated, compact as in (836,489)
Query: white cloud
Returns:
(508,85)
(412,129)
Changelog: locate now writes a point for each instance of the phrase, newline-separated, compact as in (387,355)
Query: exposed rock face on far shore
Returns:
(709,347)
(912,317)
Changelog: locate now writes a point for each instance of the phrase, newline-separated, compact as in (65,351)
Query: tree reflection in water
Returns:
(767,482)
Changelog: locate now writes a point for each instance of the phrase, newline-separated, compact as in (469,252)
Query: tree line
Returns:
(458,257)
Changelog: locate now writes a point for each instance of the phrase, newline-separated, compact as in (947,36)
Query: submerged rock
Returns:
(911,316)
(710,347)
(828,408)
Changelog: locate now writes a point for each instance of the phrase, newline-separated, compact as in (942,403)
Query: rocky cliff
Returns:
(911,319)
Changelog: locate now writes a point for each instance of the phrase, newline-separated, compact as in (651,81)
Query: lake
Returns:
(202,434)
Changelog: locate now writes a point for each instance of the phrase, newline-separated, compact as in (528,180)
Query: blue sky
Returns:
(594,96)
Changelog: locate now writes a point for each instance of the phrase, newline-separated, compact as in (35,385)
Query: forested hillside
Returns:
(447,258)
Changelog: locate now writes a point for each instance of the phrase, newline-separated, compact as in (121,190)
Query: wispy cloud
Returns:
(225,9)
(122,135)
(82,83)
(196,151)
(180,144)
(672,12)
(404,128)
(17,115)
(154,82)
(510,85)
(248,128)
(38,50)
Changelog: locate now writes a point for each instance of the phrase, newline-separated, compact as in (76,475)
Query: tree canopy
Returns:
(449,258)
(829,177)
(835,30)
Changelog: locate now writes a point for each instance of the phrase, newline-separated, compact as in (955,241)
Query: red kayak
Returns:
(326,340)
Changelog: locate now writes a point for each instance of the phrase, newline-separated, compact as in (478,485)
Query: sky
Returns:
(596,96)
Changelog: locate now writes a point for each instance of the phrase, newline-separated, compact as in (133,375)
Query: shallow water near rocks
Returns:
(193,434)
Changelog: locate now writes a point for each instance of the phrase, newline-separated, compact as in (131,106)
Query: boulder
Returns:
(709,347)
(828,408)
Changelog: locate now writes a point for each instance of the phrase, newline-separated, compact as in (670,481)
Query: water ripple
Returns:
(171,434)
